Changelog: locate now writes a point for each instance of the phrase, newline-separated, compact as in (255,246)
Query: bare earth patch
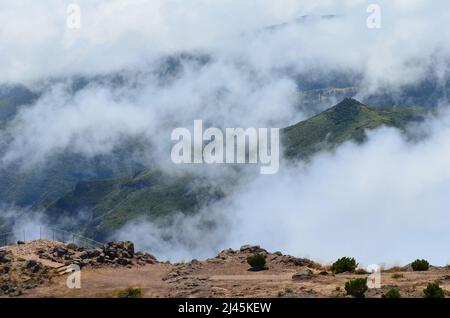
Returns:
(226,275)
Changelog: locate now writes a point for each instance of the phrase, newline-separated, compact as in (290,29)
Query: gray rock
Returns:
(30,263)
(123,261)
(304,274)
(129,247)
(60,251)
(84,255)
(4,257)
(296,261)
(92,253)
(252,249)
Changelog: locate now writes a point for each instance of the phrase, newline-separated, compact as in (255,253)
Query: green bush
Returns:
(433,291)
(257,261)
(130,293)
(71,246)
(393,293)
(356,287)
(420,265)
(344,264)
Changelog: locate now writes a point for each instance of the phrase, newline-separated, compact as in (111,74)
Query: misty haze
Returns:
(92,92)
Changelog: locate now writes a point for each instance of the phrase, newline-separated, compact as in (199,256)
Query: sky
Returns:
(382,202)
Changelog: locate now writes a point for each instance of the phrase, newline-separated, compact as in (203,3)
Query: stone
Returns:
(30,263)
(123,261)
(101,258)
(60,251)
(94,253)
(4,257)
(252,249)
(129,247)
(296,261)
(111,252)
(304,274)
(84,255)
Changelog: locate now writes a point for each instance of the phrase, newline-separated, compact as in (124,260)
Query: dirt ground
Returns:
(228,275)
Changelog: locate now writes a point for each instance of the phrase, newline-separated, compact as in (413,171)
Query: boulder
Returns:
(123,261)
(60,251)
(4,257)
(225,253)
(92,253)
(129,247)
(111,252)
(297,261)
(4,269)
(101,258)
(252,249)
(304,274)
(32,265)
(83,255)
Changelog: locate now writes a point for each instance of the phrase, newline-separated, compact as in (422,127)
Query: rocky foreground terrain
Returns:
(41,269)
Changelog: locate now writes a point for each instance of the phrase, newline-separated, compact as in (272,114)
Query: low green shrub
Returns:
(420,265)
(130,293)
(356,287)
(257,261)
(393,293)
(344,264)
(72,246)
(433,291)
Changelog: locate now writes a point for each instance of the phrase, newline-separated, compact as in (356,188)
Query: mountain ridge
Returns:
(153,193)
(347,120)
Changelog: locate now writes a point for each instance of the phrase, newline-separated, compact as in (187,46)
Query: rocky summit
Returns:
(40,269)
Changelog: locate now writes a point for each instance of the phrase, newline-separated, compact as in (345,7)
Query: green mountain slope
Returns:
(348,120)
(154,194)
(12,97)
(59,175)
(151,193)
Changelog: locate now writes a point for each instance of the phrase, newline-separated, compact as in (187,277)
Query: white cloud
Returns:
(390,193)
(115,34)
(384,202)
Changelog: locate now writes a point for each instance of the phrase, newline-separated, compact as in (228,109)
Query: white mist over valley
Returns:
(80,106)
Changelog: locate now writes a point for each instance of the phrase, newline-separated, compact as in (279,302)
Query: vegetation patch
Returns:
(393,293)
(344,264)
(433,290)
(356,287)
(257,262)
(130,293)
(420,265)
(72,246)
